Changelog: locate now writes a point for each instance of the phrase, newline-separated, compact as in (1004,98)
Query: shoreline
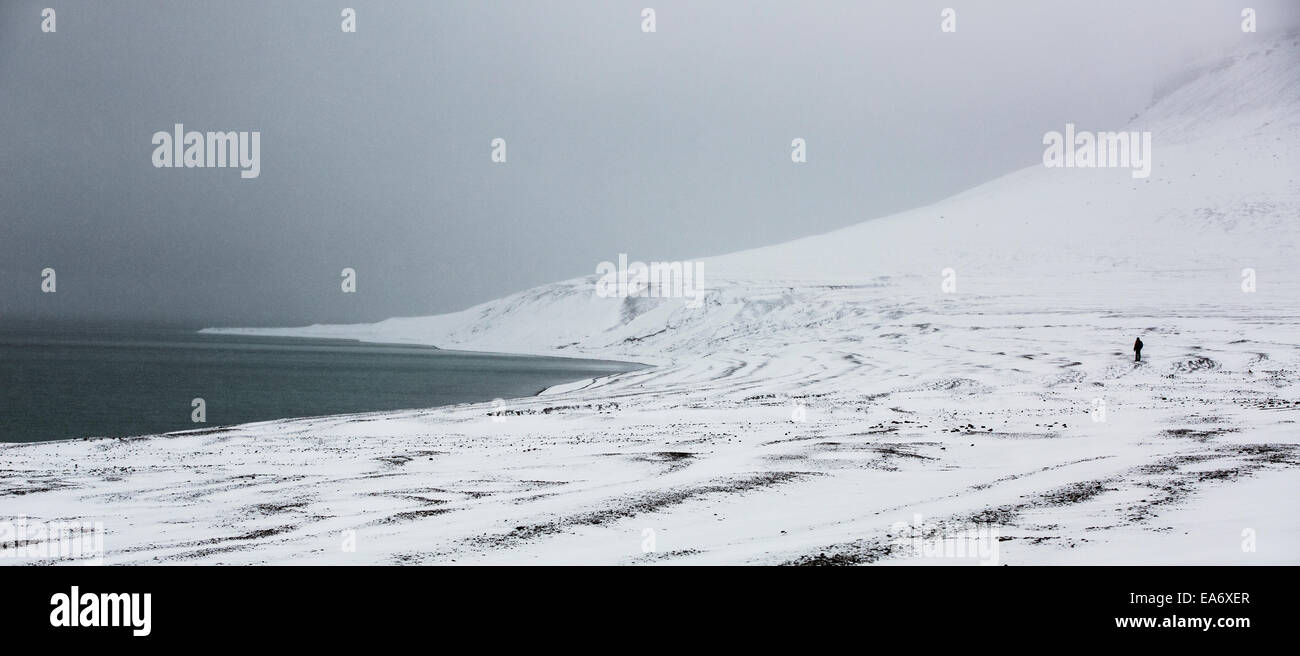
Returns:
(705,453)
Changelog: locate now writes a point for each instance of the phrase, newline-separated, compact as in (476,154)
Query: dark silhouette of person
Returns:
(1137,350)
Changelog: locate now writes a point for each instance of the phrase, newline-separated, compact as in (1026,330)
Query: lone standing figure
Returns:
(1137,350)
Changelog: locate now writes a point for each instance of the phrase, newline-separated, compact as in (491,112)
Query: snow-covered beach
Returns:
(827,390)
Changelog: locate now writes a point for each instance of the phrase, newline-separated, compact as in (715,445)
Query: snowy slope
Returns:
(1223,195)
(825,391)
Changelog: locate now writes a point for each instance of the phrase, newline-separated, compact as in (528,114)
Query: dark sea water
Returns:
(68,382)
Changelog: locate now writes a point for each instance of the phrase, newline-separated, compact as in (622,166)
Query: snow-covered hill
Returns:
(1223,195)
(827,392)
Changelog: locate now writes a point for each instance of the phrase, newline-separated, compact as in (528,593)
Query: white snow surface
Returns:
(950,411)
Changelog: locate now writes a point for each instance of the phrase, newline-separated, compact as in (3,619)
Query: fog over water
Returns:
(375,145)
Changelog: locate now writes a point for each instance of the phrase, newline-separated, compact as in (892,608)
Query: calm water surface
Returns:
(58,383)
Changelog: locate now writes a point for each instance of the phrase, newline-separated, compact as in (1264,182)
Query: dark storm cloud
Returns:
(375,145)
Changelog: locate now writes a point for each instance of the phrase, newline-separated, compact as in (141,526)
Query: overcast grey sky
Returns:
(375,145)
